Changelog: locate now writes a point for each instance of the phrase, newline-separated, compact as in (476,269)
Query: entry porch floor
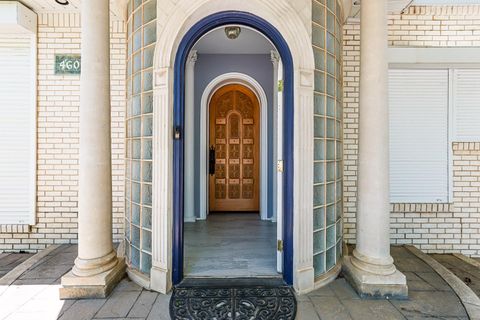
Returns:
(231,245)
(33,294)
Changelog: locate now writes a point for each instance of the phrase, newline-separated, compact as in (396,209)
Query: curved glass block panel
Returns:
(141,37)
(328,134)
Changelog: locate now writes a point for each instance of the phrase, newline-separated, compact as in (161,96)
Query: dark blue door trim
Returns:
(192,36)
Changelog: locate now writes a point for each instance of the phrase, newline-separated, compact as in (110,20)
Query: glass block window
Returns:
(141,33)
(328,153)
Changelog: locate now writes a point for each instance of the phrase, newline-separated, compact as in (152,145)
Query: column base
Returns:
(160,279)
(370,285)
(92,287)
(304,280)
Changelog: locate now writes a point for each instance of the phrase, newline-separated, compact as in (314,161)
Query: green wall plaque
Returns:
(68,64)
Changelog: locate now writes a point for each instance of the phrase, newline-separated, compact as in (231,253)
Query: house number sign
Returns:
(67,64)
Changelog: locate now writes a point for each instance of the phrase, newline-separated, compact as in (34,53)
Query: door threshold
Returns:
(232,281)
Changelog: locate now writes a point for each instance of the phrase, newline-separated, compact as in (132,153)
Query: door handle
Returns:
(211,167)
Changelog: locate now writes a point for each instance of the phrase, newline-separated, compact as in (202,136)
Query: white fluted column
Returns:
(304,274)
(162,219)
(371,269)
(97,267)
(189,211)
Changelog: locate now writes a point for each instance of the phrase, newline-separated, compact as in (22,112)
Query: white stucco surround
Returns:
(212,87)
(293,20)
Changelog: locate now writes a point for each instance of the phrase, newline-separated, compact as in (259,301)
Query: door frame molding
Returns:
(186,44)
(212,87)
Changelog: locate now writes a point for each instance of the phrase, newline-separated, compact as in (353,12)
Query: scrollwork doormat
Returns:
(239,303)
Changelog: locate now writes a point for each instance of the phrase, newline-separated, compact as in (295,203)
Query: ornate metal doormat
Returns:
(239,303)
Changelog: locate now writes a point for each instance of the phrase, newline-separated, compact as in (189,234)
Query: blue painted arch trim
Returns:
(192,36)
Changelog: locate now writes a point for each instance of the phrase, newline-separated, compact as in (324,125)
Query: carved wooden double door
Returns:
(234,150)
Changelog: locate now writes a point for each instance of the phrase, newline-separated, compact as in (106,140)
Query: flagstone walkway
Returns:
(467,272)
(34,295)
(8,261)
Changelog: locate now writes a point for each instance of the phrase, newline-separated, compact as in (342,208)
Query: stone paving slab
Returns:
(118,304)
(373,309)
(430,297)
(330,307)
(82,309)
(34,295)
(431,304)
(469,299)
(8,261)
(143,305)
(466,272)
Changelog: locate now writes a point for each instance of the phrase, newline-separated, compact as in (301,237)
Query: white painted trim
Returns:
(279,155)
(214,85)
(441,57)
(15,18)
(33,149)
(451,130)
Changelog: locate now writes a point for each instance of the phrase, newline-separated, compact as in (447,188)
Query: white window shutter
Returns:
(418,106)
(466,105)
(17,130)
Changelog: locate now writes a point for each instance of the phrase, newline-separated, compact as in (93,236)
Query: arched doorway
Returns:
(198,30)
(218,82)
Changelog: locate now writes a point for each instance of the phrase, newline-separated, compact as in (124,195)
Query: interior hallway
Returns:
(230,245)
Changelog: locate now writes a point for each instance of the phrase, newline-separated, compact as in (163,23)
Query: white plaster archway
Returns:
(212,87)
(293,21)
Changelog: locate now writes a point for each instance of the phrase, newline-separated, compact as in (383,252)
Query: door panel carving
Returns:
(234,133)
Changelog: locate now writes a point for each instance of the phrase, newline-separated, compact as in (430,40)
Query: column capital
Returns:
(274,57)
(192,57)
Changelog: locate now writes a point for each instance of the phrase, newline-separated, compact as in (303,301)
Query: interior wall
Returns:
(257,66)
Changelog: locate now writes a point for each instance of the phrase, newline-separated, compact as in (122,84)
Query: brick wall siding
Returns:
(432,227)
(58,137)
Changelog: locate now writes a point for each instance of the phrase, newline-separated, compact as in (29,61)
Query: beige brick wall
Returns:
(58,137)
(442,26)
(432,227)
(466,196)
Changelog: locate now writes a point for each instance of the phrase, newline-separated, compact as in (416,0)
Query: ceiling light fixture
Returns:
(62,2)
(232,32)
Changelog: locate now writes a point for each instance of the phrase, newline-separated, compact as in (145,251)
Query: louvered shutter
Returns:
(418,105)
(17,130)
(466,104)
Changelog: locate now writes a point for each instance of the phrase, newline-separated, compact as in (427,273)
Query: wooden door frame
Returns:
(212,87)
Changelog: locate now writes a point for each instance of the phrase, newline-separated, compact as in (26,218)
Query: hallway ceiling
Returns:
(248,42)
